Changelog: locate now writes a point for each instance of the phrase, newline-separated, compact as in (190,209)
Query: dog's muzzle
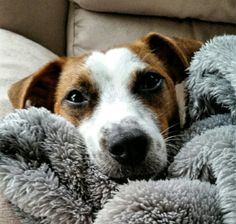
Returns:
(128,146)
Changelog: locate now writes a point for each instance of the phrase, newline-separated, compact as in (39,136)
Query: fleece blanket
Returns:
(47,176)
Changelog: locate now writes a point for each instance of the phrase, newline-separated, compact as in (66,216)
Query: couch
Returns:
(35,32)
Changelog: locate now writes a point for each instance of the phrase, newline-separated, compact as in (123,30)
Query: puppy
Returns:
(123,101)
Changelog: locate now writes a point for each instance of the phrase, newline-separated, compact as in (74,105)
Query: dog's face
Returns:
(123,101)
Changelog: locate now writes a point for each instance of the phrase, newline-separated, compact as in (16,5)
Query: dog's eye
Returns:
(76,97)
(150,81)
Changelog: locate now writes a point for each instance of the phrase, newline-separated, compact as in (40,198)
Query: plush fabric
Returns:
(98,31)
(46,174)
(212,89)
(211,156)
(39,20)
(6,214)
(212,10)
(19,57)
(212,78)
(178,201)
(45,170)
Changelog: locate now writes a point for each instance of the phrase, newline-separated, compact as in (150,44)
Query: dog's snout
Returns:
(129,148)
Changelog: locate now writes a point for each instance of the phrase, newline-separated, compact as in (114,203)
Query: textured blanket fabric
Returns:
(46,173)
(212,90)
(211,156)
(212,78)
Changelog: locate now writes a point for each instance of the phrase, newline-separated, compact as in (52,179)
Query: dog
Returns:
(122,100)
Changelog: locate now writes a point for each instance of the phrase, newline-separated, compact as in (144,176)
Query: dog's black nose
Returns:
(129,148)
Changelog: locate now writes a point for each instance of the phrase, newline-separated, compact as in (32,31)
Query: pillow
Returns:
(89,30)
(6,214)
(211,10)
(39,20)
(19,57)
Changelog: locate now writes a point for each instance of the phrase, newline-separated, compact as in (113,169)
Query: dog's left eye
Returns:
(150,81)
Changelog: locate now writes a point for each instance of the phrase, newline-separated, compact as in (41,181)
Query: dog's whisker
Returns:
(171,137)
(172,141)
(167,129)
(172,146)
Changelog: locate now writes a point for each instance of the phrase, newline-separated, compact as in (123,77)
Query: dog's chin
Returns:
(152,167)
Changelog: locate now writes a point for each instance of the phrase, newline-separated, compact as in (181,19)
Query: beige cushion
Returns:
(19,57)
(89,30)
(208,10)
(6,213)
(39,20)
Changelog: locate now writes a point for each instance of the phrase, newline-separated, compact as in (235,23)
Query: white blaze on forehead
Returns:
(112,72)
(113,69)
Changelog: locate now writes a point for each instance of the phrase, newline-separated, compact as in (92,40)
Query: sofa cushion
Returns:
(90,30)
(41,21)
(19,57)
(6,213)
(208,10)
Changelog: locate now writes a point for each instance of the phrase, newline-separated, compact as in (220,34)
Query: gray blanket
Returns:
(46,173)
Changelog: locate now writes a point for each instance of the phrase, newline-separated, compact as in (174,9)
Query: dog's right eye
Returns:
(76,97)
(148,82)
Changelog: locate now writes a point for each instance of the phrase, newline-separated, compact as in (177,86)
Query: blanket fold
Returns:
(46,174)
(211,156)
(44,169)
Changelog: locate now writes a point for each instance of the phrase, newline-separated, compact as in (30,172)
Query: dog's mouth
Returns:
(153,167)
(126,180)
(150,176)
(130,152)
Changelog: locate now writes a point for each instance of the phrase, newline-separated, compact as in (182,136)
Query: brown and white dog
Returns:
(123,101)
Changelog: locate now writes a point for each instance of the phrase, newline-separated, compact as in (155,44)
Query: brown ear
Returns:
(175,53)
(38,88)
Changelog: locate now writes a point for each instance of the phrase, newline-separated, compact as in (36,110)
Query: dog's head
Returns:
(122,100)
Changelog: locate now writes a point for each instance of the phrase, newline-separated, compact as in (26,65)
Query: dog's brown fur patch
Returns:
(168,57)
(75,76)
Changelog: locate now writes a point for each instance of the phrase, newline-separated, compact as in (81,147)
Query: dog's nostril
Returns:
(130,149)
(118,150)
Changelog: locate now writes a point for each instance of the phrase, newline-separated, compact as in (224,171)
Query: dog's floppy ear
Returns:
(175,53)
(39,88)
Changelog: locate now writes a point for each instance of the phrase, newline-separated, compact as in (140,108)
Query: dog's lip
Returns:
(125,180)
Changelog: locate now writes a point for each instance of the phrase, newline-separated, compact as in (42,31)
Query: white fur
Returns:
(112,73)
